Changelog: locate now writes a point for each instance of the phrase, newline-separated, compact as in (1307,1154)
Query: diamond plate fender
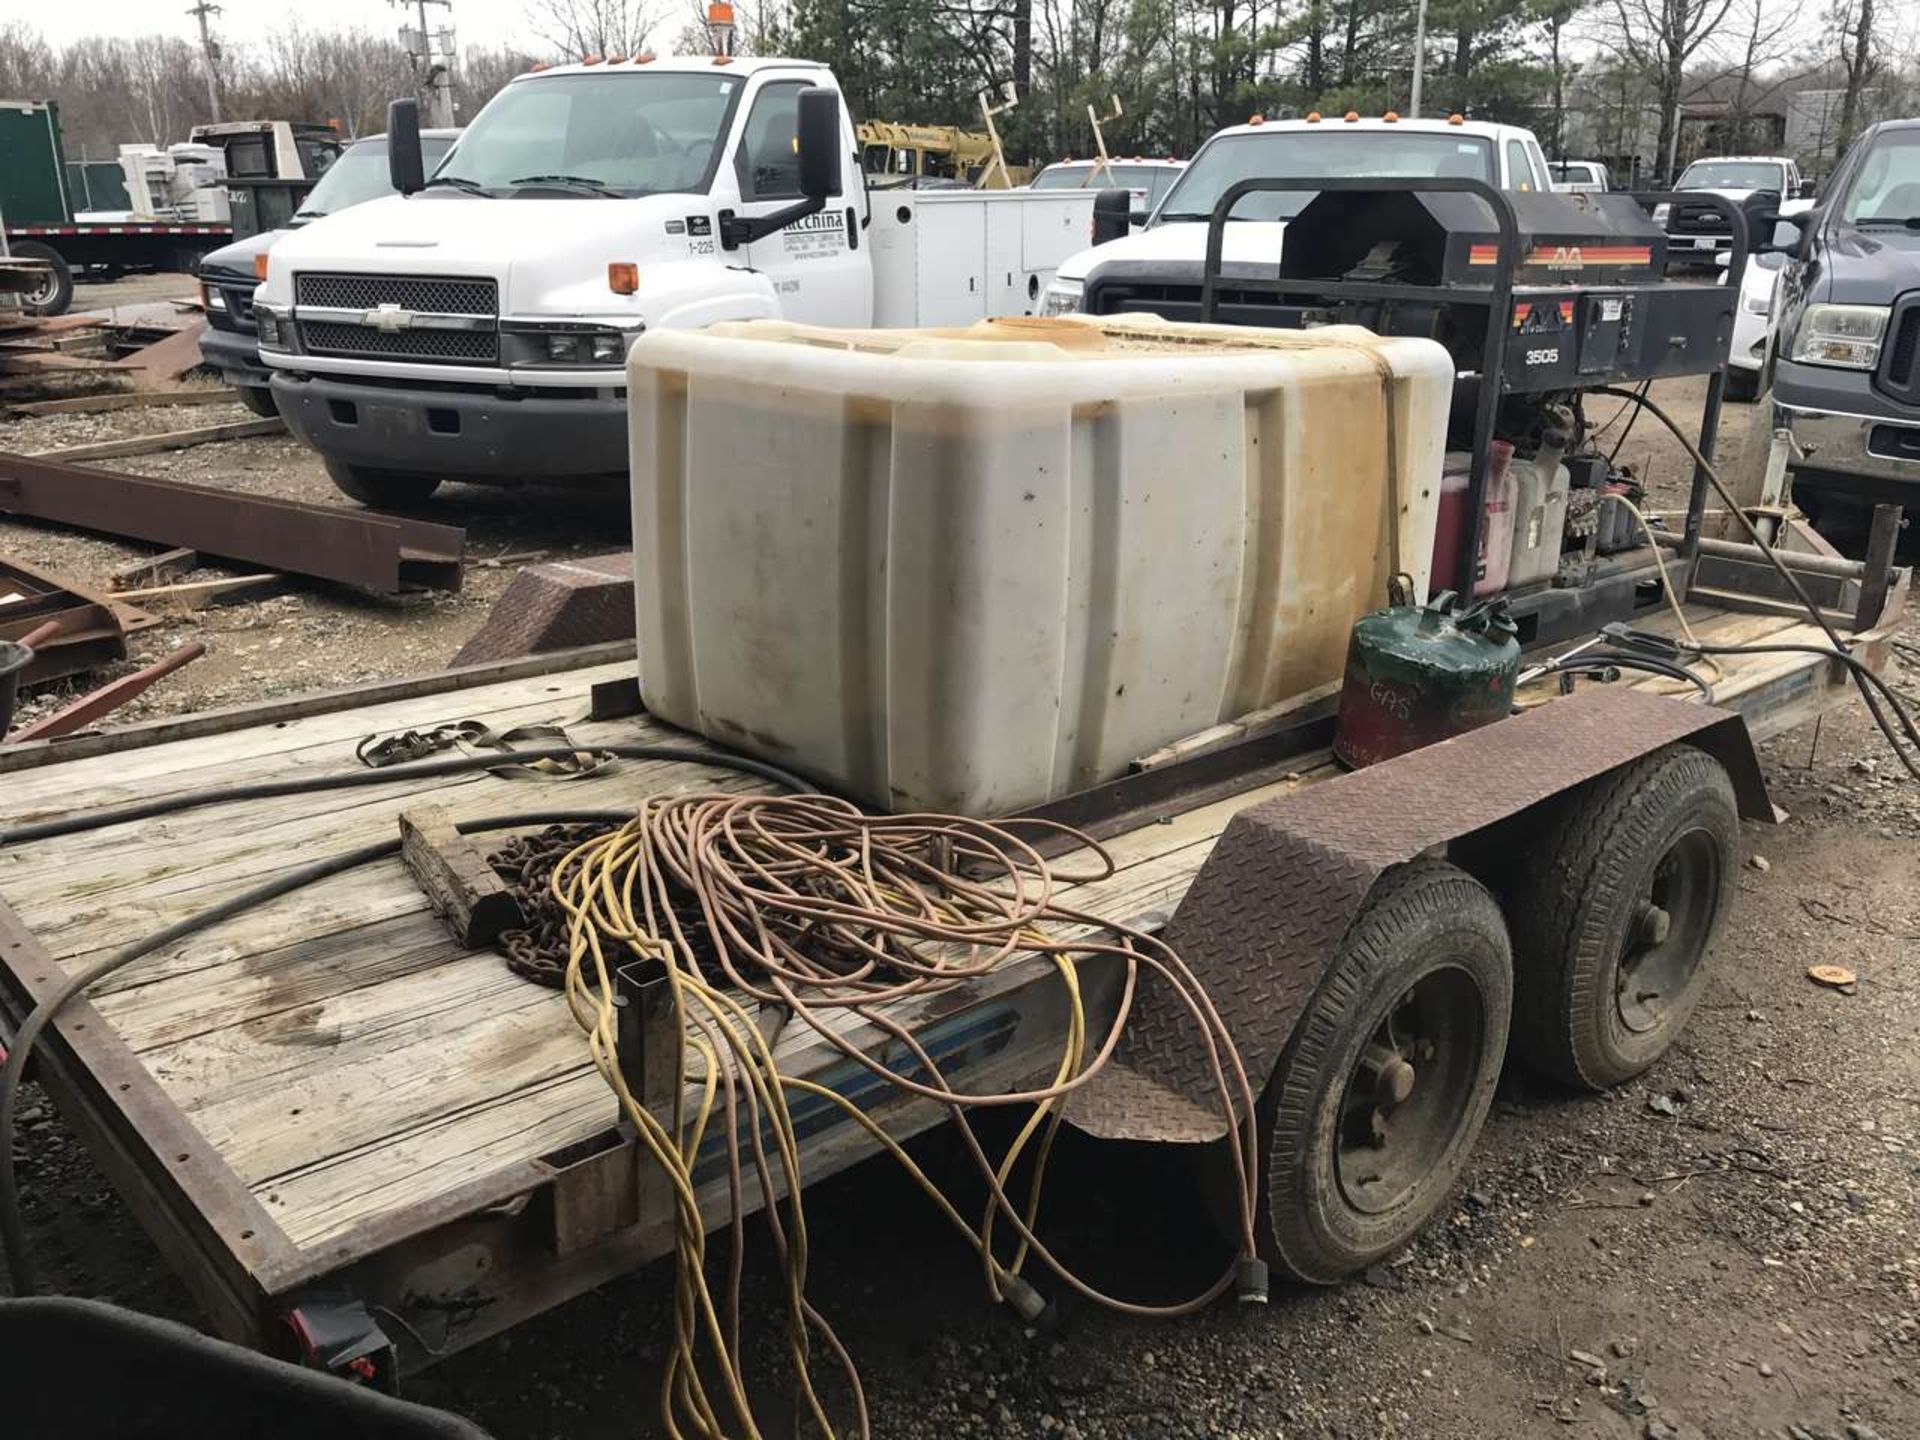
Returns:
(1269,908)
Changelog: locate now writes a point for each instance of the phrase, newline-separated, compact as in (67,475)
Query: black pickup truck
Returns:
(231,344)
(1846,349)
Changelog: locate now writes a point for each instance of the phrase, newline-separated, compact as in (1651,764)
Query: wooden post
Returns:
(463,889)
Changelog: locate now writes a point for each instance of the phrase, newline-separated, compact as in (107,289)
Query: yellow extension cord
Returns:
(596,885)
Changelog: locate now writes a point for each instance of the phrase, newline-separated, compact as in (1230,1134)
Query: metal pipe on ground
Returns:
(105,700)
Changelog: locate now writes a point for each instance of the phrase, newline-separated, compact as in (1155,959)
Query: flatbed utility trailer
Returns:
(327,1113)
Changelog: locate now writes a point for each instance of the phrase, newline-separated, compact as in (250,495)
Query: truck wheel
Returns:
(1741,385)
(1612,927)
(55,292)
(381,488)
(1387,1079)
(259,399)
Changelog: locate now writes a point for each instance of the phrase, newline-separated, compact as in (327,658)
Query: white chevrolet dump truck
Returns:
(475,326)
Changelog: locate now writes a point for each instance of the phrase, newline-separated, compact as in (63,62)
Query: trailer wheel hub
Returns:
(1668,937)
(1407,1092)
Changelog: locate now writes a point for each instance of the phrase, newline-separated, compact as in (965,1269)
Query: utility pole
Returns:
(433,78)
(1419,59)
(210,51)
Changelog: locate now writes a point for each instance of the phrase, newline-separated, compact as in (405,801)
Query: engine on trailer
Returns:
(1578,298)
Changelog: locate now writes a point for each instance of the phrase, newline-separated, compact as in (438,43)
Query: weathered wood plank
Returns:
(114,778)
(452,870)
(167,440)
(134,400)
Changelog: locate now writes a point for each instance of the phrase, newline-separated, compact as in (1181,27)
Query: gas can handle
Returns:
(1400,589)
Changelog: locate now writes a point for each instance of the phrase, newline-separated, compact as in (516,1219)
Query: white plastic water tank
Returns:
(973,570)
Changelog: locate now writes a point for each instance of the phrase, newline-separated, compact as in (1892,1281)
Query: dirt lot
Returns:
(1728,1247)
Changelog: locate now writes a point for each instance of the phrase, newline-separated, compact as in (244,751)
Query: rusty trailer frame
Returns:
(541,1229)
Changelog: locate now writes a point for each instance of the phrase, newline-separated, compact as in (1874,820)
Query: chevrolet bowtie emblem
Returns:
(389,319)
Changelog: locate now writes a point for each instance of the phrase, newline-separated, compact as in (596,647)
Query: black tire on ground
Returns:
(258,399)
(381,488)
(1382,1089)
(1741,385)
(1626,890)
(57,294)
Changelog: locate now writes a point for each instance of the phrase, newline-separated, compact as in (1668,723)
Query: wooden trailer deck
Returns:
(328,1083)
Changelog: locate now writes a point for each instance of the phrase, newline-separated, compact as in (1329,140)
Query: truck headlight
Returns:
(1844,335)
(211,298)
(272,328)
(1660,213)
(585,346)
(1063,297)
(584,349)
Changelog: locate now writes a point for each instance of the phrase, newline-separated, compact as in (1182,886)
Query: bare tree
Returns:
(1765,40)
(1660,37)
(594,27)
(1853,22)
(1555,16)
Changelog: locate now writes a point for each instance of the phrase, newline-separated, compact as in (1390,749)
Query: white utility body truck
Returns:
(476,325)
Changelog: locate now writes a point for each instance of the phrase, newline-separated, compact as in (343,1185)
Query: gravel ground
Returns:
(1727,1247)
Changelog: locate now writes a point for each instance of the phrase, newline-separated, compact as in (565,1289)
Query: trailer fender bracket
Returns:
(1270,906)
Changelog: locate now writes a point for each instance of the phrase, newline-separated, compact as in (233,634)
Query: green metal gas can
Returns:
(1417,674)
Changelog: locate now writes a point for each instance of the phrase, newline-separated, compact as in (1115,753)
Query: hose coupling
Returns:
(1036,1312)
(1250,1280)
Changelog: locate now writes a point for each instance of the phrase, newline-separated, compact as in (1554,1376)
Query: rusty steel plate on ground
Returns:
(1269,908)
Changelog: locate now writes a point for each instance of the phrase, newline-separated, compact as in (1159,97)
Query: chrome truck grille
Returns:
(443,319)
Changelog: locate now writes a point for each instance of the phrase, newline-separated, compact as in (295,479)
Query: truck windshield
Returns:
(1886,188)
(360,174)
(1290,153)
(1731,175)
(1147,182)
(624,133)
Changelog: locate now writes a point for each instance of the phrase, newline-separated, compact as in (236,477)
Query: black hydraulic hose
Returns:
(12,1228)
(1864,680)
(388,774)
(1651,665)
(1863,677)
(1652,407)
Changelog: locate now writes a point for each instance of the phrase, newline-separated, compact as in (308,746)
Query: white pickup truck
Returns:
(1158,268)
(476,325)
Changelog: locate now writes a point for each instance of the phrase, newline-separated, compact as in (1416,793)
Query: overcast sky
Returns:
(477,22)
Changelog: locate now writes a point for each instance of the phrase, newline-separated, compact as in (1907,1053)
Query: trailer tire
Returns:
(258,399)
(57,294)
(381,489)
(1426,964)
(1633,880)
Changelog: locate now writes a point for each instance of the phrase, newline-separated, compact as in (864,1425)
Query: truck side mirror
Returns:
(406,167)
(1805,191)
(818,131)
(1112,215)
(1771,233)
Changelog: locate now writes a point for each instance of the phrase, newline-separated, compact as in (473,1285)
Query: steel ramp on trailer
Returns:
(327,1094)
